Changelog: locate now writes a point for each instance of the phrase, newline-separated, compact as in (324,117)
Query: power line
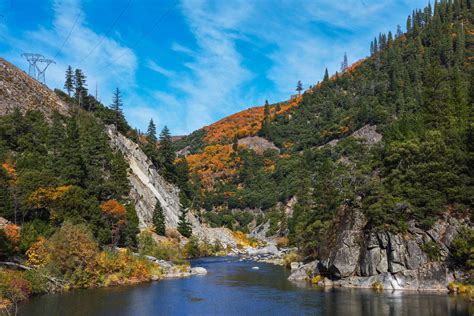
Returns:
(157,22)
(69,35)
(108,31)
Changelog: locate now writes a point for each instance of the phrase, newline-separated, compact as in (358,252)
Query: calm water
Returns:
(234,288)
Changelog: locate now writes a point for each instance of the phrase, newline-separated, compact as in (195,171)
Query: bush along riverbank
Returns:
(72,259)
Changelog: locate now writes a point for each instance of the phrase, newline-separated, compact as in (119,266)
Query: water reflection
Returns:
(234,288)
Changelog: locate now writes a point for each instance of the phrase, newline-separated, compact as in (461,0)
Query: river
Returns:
(234,287)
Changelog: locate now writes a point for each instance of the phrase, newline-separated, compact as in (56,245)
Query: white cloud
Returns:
(212,83)
(157,68)
(181,49)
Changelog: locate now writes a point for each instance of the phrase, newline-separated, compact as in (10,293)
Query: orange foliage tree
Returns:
(12,183)
(114,213)
(12,232)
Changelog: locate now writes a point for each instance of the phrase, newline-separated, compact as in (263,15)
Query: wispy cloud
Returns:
(214,77)
(181,49)
(157,68)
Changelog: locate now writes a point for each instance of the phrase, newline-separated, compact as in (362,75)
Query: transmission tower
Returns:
(41,70)
(32,60)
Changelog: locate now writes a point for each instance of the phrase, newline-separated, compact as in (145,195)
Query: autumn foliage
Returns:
(113,208)
(12,232)
(242,124)
(114,214)
(45,197)
(216,161)
(37,254)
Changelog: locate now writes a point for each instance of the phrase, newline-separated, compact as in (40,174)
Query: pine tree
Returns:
(69,83)
(71,158)
(80,90)
(151,132)
(116,106)
(399,31)
(184,227)
(266,119)
(409,24)
(299,87)
(326,75)
(159,219)
(132,230)
(167,155)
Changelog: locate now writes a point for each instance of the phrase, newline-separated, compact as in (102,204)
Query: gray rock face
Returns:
(257,144)
(147,186)
(368,134)
(359,258)
(343,260)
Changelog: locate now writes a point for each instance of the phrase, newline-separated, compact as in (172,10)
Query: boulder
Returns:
(295,265)
(271,250)
(198,271)
(304,272)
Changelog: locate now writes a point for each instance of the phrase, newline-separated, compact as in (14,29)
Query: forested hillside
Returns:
(385,147)
(416,88)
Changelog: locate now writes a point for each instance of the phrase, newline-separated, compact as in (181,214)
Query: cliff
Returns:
(147,186)
(357,257)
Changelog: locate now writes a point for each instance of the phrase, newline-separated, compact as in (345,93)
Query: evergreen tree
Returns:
(116,106)
(184,227)
(80,90)
(409,24)
(266,119)
(167,155)
(151,132)
(399,31)
(69,83)
(159,219)
(326,75)
(150,146)
(299,87)
(71,158)
(132,230)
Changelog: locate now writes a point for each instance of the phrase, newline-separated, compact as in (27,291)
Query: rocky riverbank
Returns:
(416,260)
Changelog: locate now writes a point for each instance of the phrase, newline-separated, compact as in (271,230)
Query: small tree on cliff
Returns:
(299,87)
(159,219)
(184,227)
(69,83)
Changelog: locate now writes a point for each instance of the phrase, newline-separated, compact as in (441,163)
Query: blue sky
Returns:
(188,63)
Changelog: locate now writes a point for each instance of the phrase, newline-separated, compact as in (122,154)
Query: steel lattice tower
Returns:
(32,59)
(41,71)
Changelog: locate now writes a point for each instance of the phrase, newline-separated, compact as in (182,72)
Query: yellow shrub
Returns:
(315,280)
(377,286)
(37,255)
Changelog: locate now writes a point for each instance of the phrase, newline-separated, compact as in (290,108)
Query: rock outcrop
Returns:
(367,134)
(257,144)
(147,186)
(355,257)
(18,90)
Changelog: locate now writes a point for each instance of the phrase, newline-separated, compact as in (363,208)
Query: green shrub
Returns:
(463,248)
(432,250)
